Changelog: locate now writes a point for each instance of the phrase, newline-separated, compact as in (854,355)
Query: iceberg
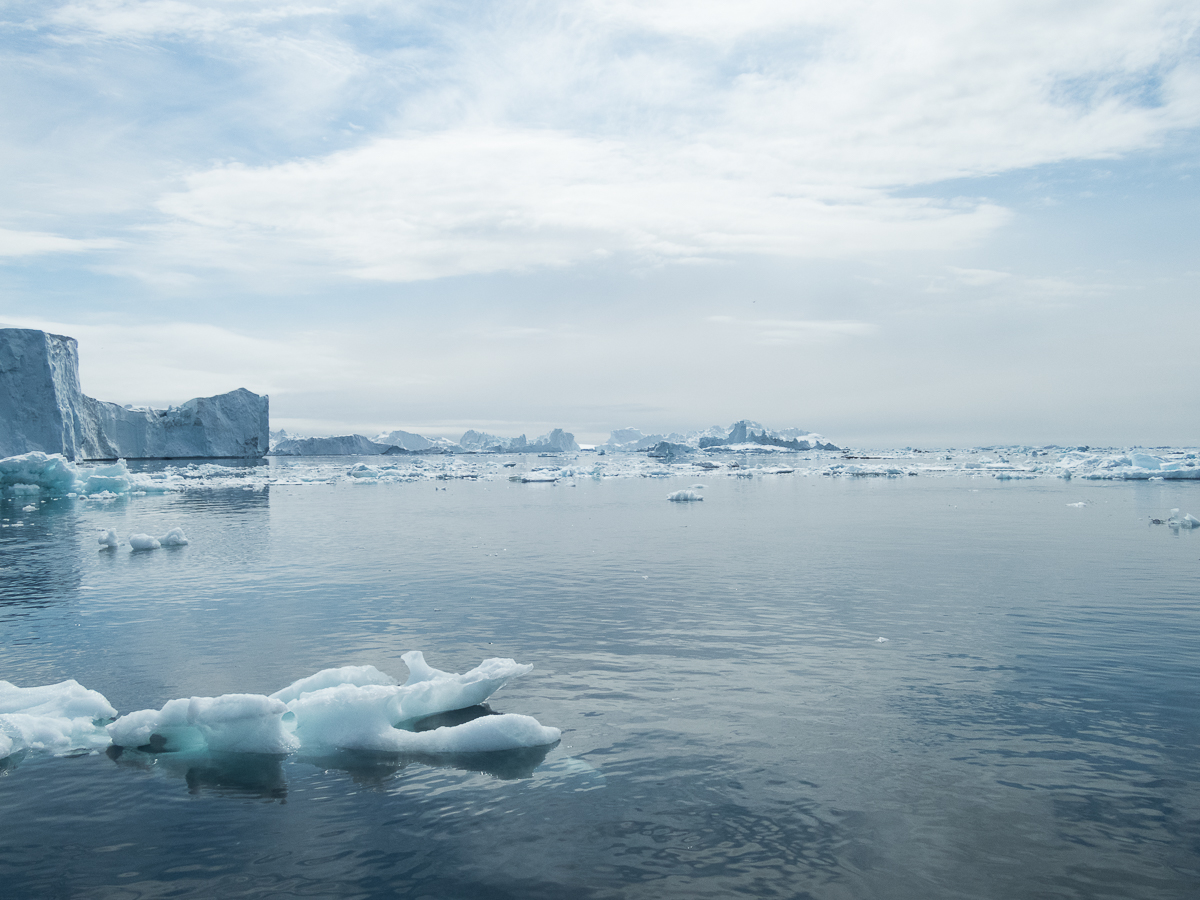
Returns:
(405,440)
(556,441)
(351,708)
(741,435)
(341,445)
(42,408)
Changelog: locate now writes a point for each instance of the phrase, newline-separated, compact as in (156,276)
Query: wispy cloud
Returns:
(531,135)
(35,243)
(796,331)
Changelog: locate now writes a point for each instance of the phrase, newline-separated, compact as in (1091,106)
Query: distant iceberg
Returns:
(556,441)
(43,409)
(742,435)
(341,445)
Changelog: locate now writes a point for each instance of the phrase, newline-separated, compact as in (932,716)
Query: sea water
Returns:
(732,723)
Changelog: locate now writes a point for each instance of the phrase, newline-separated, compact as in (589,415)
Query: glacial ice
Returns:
(43,408)
(109,539)
(143,542)
(685,496)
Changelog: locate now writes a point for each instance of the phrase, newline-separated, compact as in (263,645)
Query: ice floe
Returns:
(685,496)
(53,718)
(350,708)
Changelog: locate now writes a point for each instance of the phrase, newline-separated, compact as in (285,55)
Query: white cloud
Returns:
(543,134)
(35,243)
(797,331)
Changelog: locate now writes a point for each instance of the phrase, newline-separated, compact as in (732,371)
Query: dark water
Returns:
(731,726)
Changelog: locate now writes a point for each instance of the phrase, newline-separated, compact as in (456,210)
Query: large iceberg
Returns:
(42,408)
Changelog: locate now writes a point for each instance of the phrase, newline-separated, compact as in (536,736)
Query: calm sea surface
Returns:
(731,724)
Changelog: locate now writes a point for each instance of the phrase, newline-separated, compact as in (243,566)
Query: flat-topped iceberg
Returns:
(43,408)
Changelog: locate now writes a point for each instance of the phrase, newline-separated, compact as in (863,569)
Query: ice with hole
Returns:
(351,708)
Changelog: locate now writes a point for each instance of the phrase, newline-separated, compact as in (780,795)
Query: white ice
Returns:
(53,718)
(353,708)
(685,496)
(174,538)
(109,539)
(143,542)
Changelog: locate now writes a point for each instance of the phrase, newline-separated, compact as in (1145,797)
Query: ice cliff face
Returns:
(43,408)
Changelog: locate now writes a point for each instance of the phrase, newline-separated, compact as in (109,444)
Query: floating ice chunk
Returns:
(231,723)
(143,542)
(1080,505)
(685,496)
(174,538)
(881,640)
(352,708)
(1189,521)
(30,508)
(54,718)
(109,539)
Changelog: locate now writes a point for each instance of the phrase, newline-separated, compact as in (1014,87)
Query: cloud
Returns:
(417,141)
(35,243)
(797,331)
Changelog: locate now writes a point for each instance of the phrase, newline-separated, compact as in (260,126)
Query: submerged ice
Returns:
(351,708)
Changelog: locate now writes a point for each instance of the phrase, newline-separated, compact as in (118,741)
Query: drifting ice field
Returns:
(731,723)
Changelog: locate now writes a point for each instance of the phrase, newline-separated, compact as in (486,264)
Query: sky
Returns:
(894,223)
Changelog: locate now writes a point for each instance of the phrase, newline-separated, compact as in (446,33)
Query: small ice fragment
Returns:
(1080,505)
(173,538)
(684,496)
(143,542)
(1189,521)
(29,508)
(881,640)
(109,539)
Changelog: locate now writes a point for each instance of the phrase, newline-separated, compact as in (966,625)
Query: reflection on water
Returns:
(38,565)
